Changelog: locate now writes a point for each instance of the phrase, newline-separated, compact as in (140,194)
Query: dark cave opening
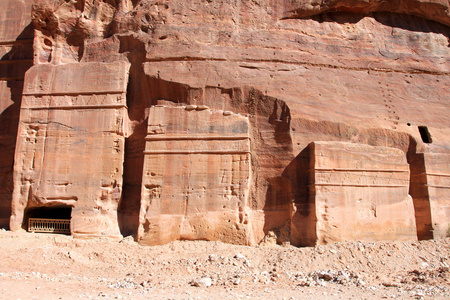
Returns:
(53,219)
(425,134)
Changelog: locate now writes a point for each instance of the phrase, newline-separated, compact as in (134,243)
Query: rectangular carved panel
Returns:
(196,176)
(70,146)
(360,193)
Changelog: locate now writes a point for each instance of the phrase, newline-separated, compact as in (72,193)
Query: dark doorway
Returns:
(425,134)
(48,219)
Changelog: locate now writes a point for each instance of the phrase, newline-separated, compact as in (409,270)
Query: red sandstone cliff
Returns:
(226,120)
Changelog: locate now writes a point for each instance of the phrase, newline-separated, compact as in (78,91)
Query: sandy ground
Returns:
(47,266)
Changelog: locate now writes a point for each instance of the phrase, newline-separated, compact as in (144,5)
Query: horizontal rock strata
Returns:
(301,121)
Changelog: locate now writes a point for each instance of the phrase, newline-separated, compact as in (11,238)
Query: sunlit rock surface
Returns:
(146,83)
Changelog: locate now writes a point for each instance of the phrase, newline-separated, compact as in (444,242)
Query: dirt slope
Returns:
(44,266)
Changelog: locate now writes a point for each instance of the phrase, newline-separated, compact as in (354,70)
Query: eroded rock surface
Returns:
(70,146)
(16,56)
(430,9)
(197,173)
(365,81)
(359,192)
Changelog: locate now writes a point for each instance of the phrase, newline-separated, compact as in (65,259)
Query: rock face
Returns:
(357,192)
(196,176)
(70,147)
(229,120)
(430,9)
(16,56)
(429,187)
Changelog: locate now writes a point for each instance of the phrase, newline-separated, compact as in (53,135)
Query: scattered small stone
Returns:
(145,283)
(240,256)
(127,240)
(320,250)
(202,282)
(270,239)
(343,278)
(212,257)
(125,284)
(360,282)
(326,275)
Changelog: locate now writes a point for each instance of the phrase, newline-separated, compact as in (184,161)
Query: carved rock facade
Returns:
(197,173)
(224,120)
(70,146)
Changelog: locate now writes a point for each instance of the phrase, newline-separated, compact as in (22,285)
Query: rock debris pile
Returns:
(64,266)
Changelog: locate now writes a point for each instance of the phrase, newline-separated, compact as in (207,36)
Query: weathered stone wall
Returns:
(437,181)
(360,192)
(70,146)
(374,74)
(197,173)
(16,56)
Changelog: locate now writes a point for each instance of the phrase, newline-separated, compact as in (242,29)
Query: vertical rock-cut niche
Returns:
(430,177)
(16,57)
(438,182)
(196,176)
(70,145)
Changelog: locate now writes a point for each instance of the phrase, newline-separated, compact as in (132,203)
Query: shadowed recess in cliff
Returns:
(128,211)
(430,9)
(142,92)
(412,23)
(419,192)
(277,208)
(268,115)
(407,22)
(303,218)
(272,144)
(270,120)
(13,66)
(137,90)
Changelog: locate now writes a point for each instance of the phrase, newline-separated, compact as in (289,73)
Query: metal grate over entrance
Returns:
(49,225)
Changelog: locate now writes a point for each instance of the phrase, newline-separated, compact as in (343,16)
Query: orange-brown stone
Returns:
(197,173)
(121,90)
(359,192)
